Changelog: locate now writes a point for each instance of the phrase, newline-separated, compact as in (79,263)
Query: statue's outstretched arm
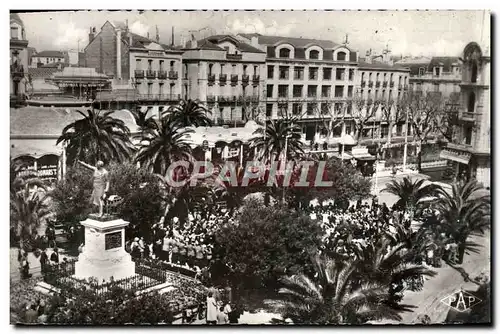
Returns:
(86,165)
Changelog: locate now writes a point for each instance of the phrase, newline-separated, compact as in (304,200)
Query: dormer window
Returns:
(341,56)
(421,71)
(284,53)
(14,32)
(437,71)
(314,54)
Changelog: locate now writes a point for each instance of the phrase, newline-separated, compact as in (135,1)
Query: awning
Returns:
(35,148)
(455,155)
(364,157)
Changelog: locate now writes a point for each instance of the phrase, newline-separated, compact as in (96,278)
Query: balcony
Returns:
(173,75)
(445,76)
(363,84)
(245,79)
(139,74)
(159,97)
(391,84)
(377,84)
(162,74)
(211,79)
(223,99)
(234,79)
(468,116)
(233,56)
(256,80)
(211,99)
(150,74)
(223,79)
(384,84)
(400,86)
(370,84)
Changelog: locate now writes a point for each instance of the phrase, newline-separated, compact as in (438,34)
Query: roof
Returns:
(50,54)
(297,42)
(71,72)
(204,45)
(141,42)
(446,62)
(51,121)
(56,64)
(41,72)
(382,66)
(415,67)
(15,17)
(242,46)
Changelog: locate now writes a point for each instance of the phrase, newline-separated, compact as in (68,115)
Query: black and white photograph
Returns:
(250,167)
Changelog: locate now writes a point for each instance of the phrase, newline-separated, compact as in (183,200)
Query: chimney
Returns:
(91,34)
(129,39)
(194,42)
(148,35)
(368,58)
(119,54)
(172,40)
(255,41)
(157,35)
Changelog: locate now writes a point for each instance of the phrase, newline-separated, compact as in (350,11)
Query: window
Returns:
(339,91)
(341,55)
(376,94)
(472,102)
(468,135)
(298,73)
(150,88)
(244,69)
(390,95)
(383,94)
(327,73)
(161,88)
(348,111)
(324,108)
(325,91)
(362,92)
(210,68)
(339,74)
(233,69)
(437,71)
(350,90)
(270,71)
(310,108)
(283,109)
(284,53)
(392,77)
(351,74)
(297,109)
(14,32)
(138,65)
(185,71)
(399,129)
(311,91)
(255,70)
(385,77)
(150,64)
(419,86)
(221,68)
(436,87)
(421,71)
(283,91)
(284,72)
(269,110)
(369,93)
(473,74)
(338,108)
(314,54)
(384,131)
(362,76)
(370,76)
(269,91)
(313,73)
(172,65)
(377,78)
(399,81)
(297,90)
(161,65)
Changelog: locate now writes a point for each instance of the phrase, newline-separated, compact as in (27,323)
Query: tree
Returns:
(270,141)
(363,112)
(334,297)
(189,113)
(411,193)
(265,243)
(393,112)
(448,120)
(97,136)
(163,144)
(28,209)
(464,212)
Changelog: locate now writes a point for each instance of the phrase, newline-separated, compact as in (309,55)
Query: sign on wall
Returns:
(113,240)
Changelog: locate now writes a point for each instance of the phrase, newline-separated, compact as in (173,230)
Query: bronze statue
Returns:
(101,185)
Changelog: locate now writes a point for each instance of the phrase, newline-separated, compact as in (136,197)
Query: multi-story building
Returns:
(470,150)
(305,78)
(48,57)
(225,73)
(18,58)
(143,70)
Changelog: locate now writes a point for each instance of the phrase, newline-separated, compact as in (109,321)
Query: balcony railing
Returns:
(468,116)
(139,74)
(211,99)
(400,86)
(384,84)
(256,80)
(233,56)
(162,74)
(370,84)
(173,75)
(245,79)
(363,84)
(377,84)
(222,79)
(234,79)
(150,74)
(159,97)
(211,79)
(442,76)
(391,84)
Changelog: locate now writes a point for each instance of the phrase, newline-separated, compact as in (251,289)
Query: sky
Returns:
(415,33)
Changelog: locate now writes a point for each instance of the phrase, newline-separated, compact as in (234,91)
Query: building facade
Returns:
(48,57)
(470,150)
(225,74)
(18,58)
(306,79)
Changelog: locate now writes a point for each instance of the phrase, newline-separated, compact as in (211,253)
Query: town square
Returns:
(224,168)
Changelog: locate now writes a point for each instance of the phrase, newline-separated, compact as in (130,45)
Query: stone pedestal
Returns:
(104,254)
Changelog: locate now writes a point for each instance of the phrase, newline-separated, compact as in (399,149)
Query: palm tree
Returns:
(334,297)
(28,209)
(97,136)
(163,144)
(270,141)
(411,194)
(463,213)
(189,113)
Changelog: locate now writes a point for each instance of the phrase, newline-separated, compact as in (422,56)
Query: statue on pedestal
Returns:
(101,185)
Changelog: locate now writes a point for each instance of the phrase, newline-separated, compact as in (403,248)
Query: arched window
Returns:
(210,66)
(341,55)
(472,102)
(314,54)
(473,73)
(285,53)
